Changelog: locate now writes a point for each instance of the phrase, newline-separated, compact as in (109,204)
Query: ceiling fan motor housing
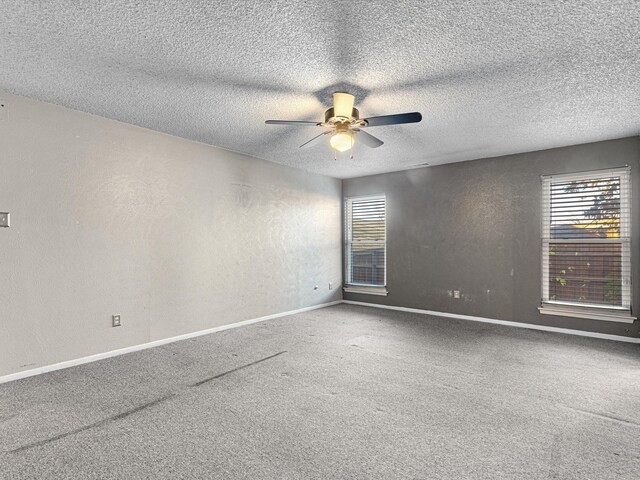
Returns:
(330,118)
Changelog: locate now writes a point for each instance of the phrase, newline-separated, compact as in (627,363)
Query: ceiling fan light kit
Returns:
(344,122)
(342,140)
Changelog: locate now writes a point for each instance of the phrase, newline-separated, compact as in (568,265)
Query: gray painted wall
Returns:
(173,235)
(475,227)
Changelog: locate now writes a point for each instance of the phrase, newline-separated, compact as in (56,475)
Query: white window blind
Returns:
(586,240)
(365,241)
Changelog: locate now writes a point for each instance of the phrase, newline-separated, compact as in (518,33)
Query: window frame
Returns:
(578,309)
(349,286)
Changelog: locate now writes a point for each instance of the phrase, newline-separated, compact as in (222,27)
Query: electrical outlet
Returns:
(4,219)
(456,294)
(330,285)
(115,320)
(4,110)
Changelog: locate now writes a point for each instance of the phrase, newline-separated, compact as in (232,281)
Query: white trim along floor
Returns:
(164,341)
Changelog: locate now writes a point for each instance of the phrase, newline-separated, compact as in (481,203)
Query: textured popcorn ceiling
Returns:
(490,77)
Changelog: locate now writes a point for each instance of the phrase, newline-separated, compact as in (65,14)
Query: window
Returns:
(365,245)
(586,245)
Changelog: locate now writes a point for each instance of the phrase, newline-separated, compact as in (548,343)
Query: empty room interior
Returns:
(319,240)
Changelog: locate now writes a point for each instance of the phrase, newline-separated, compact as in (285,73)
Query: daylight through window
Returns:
(365,237)
(586,239)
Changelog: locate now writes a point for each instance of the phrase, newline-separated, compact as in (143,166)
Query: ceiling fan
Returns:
(344,123)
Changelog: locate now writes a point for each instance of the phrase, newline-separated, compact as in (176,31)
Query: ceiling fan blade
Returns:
(368,139)
(412,117)
(315,140)
(290,122)
(343,104)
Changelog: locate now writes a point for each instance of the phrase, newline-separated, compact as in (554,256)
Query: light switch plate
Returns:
(115,320)
(4,219)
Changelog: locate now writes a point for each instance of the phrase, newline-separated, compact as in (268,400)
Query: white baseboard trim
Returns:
(135,348)
(530,326)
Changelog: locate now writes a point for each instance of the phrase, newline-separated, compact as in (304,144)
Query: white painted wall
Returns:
(173,235)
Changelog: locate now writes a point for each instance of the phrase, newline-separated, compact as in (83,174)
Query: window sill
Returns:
(592,313)
(367,290)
